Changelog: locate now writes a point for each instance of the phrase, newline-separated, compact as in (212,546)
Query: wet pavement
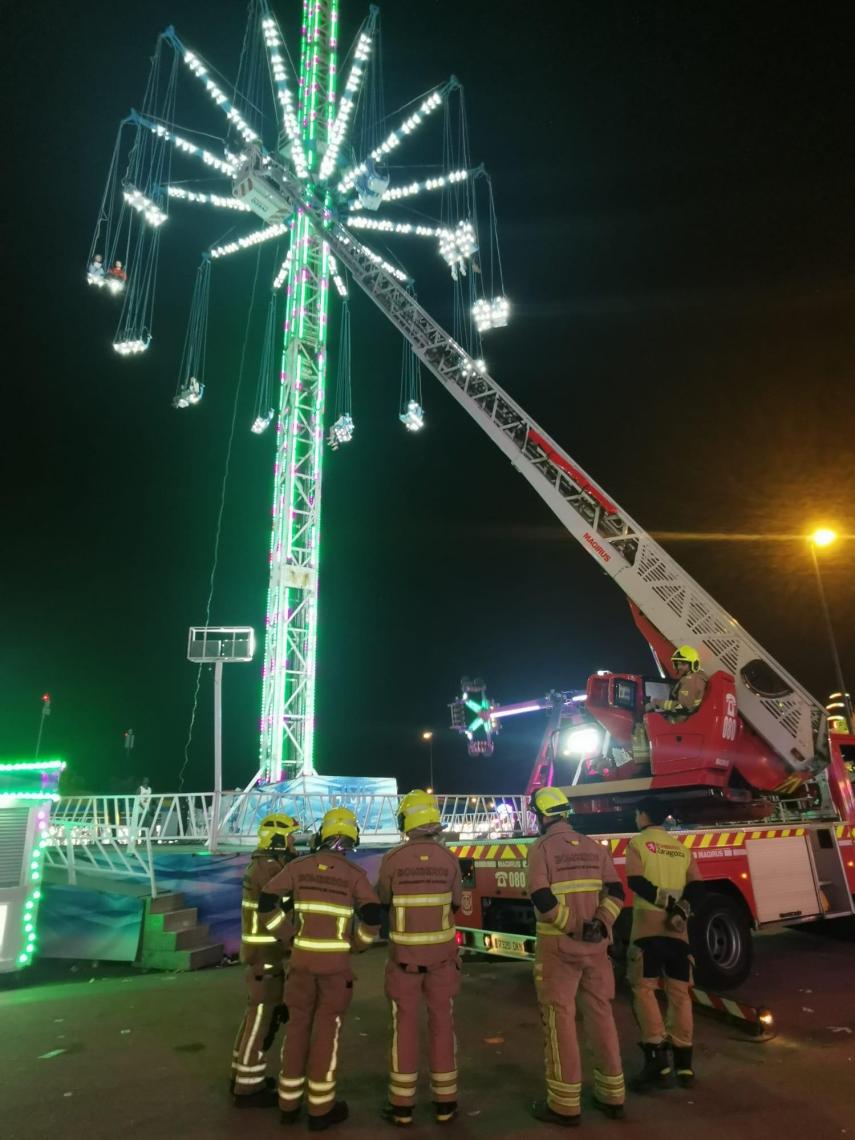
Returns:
(105,1052)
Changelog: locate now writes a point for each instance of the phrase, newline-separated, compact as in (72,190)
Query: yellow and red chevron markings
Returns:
(489,850)
(695,840)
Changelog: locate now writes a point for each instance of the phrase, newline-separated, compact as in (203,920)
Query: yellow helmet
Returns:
(274,825)
(689,655)
(339,821)
(549,802)
(417,809)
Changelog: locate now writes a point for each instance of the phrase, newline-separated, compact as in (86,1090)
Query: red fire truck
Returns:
(759,875)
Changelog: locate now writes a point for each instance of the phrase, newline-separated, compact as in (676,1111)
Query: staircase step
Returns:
(163,904)
(194,958)
(182,919)
(158,940)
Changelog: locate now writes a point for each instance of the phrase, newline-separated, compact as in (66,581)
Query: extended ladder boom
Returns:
(791,721)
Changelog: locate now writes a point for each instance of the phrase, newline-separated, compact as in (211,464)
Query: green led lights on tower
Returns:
(290,647)
(316,188)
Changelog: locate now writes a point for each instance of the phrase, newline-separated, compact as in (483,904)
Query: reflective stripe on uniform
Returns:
(334,1057)
(256,939)
(609,1089)
(546,928)
(422,900)
(612,906)
(364,935)
(429,937)
(309,906)
(321,944)
(319,1100)
(576,886)
(248,904)
(276,920)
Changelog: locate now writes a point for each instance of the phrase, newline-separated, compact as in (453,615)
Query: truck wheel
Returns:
(720,936)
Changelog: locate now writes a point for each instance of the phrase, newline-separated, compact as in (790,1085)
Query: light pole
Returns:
(428,736)
(45,712)
(824,537)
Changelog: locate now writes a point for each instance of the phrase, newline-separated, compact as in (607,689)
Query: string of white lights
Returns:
(187,147)
(338,280)
(394,193)
(219,96)
(378,260)
(284,269)
(273,41)
(207,199)
(138,201)
(346,105)
(249,240)
(386,225)
(392,140)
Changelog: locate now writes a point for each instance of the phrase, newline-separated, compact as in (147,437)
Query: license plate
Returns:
(508,945)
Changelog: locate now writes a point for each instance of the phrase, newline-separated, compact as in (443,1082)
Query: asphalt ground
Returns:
(102,1053)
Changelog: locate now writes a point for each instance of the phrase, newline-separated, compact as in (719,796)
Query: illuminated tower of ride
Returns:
(291,636)
(316,189)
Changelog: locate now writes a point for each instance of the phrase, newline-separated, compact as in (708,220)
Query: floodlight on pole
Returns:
(823,537)
(427,736)
(217,646)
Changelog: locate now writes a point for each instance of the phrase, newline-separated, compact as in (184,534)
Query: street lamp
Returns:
(428,736)
(45,712)
(823,537)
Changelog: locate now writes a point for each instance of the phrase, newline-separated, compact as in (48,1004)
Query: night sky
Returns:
(675,190)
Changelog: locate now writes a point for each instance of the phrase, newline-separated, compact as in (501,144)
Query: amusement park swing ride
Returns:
(310,161)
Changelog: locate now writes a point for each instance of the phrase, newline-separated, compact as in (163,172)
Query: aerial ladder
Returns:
(772,734)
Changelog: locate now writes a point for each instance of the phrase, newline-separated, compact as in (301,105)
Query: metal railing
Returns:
(189,817)
(119,836)
(76,851)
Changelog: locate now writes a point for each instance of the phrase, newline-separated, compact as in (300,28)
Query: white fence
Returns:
(191,818)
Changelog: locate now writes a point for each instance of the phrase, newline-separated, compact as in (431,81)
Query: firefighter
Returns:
(263,954)
(577,896)
(420,884)
(666,884)
(690,685)
(326,890)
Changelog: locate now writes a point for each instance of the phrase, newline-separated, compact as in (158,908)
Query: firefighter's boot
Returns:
(336,1115)
(540,1110)
(445,1111)
(683,1065)
(264,1098)
(657,1071)
(612,1111)
(398,1114)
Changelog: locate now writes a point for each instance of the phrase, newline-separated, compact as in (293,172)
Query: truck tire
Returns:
(720,936)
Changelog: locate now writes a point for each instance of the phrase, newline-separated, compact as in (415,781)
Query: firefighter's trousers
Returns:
(408,988)
(670,959)
(264,1013)
(567,976)
(316,1007)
